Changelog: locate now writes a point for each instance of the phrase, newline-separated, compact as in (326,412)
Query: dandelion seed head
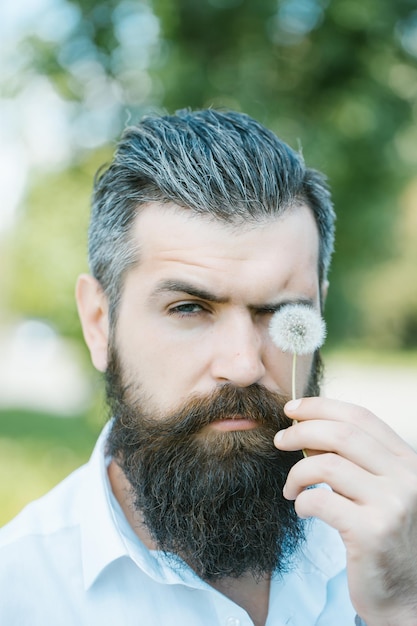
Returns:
(297,328)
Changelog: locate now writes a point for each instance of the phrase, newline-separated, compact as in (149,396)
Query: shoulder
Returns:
(39,548)
(63,505)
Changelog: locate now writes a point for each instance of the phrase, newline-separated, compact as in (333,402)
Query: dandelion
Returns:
(299,329)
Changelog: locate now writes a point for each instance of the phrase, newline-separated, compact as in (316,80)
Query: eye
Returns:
(186,309)
(265,311)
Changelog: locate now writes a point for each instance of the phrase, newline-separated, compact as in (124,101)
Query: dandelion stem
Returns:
(294,371)
(294,388)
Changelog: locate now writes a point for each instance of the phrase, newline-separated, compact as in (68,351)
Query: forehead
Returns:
(178,243)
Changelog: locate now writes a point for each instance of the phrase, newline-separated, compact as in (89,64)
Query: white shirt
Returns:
(72,559)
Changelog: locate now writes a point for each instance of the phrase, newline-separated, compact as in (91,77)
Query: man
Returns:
(203,226)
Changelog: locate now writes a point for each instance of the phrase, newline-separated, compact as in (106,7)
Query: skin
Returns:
(193,315)
(194,312)
(373,474)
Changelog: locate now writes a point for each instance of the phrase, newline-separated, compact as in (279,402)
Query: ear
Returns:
(93,311)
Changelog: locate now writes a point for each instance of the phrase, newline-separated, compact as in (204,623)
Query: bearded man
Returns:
(205,225)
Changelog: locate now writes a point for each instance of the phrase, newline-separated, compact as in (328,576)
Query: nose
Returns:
(237,352)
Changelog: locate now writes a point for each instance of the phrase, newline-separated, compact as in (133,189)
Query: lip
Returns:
(238,423)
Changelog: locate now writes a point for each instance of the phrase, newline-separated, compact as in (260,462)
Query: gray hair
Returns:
(222,164)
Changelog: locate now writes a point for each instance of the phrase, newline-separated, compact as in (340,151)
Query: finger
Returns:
(341,438)
(336,410)
(379,525)
(344,477)
(330,507)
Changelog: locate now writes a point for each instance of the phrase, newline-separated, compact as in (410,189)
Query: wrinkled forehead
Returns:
(169,225)
(257,259)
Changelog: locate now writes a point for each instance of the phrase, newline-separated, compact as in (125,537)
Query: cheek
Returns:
(277,370)
(167,369)
(303,371)
(280,367)
(304,364)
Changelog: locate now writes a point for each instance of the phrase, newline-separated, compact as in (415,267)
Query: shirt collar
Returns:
(101,542)
(107,536)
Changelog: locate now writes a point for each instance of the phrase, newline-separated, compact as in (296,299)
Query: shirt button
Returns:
(232,621)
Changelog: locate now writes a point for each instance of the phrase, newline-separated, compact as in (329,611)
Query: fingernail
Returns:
(292,405)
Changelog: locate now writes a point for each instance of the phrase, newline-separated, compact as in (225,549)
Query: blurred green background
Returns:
(337,78)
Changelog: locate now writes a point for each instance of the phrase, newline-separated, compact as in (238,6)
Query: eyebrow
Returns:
(179,286)
(276,306)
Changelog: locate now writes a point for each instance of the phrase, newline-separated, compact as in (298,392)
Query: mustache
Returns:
(255,403)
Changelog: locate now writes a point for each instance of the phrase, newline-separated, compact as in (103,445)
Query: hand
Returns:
(373,501)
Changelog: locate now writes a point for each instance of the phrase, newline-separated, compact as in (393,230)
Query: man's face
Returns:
(197,387)
(194,312)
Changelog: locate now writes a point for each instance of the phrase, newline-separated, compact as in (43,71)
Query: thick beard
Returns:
(213,498)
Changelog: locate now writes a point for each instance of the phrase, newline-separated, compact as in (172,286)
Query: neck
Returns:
(252,595)
(121,490)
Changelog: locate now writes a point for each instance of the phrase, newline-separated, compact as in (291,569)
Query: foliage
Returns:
(50,246)
(392,284)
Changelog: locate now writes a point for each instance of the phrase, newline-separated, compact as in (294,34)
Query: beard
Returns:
(213,498)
